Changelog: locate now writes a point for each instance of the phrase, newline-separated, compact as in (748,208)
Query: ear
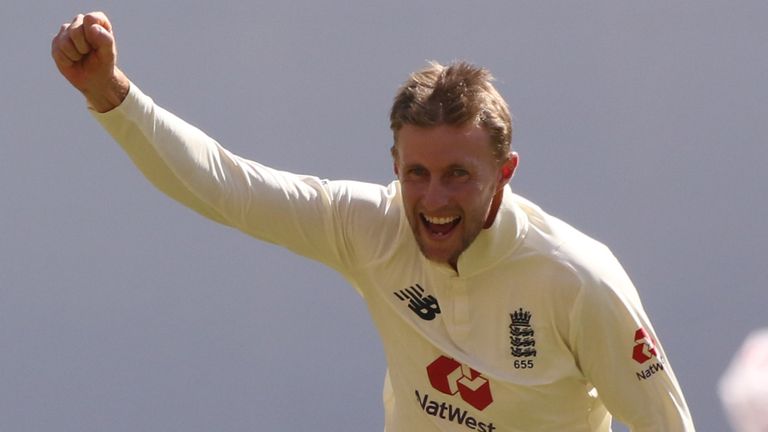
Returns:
(508,169)
(393,152)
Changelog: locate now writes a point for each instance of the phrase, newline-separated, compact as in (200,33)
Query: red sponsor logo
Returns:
(451,377)
(645,348)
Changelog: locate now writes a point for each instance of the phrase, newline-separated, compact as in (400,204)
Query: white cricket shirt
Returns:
(539,330)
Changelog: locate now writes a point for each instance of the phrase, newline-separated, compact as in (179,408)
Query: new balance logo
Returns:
(451,377)
(425,307)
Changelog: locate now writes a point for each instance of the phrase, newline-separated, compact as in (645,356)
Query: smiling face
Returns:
(449,177)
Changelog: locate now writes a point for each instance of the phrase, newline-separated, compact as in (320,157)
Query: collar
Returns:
(494,243)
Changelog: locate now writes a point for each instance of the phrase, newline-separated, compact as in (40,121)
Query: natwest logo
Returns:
(644,348)
(450,377)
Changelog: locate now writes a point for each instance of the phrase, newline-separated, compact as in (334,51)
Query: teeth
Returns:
(440,220)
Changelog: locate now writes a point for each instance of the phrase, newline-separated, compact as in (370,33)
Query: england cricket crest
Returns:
(522,340)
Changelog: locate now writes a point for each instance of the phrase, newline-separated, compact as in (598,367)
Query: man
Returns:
(494,315)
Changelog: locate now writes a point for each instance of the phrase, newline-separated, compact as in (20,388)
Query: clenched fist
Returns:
(85,53)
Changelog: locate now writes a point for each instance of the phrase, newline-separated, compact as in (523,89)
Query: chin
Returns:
(440,257)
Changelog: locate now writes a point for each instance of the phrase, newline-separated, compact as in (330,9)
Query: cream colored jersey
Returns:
(539,329)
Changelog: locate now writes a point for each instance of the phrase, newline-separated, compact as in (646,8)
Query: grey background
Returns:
(641,123)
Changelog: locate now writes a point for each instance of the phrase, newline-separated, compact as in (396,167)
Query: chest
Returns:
(491,349)
(511,321)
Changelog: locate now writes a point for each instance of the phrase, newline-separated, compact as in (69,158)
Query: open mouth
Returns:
(439,226)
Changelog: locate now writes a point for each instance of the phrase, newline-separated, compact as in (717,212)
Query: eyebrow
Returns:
(413,165)
(459,166)
(453,166)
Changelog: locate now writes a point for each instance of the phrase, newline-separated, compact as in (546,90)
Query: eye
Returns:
(459,172)
(417,172)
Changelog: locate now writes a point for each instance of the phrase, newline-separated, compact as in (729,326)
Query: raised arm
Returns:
(85,53)
(303,213)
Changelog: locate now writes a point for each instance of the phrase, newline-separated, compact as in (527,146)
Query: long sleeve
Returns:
(310,216)
(619,352)
(128,124)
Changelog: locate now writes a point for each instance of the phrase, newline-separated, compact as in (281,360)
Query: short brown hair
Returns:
(456,95)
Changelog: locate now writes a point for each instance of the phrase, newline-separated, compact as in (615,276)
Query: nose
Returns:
(436,196)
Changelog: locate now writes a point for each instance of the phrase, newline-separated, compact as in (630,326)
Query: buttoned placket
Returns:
(460,322)
(453,295)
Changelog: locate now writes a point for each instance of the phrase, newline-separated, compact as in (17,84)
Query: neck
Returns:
(494,210)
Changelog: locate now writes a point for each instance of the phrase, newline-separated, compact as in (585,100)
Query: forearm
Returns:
(135,138)
(292,210)
(187,165)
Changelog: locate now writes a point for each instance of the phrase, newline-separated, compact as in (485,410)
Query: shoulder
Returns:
(588,259)
(362,194)
(371,217)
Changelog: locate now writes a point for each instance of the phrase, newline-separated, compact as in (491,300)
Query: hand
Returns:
(85,53)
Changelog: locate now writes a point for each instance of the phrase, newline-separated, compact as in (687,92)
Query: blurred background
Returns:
(641,123)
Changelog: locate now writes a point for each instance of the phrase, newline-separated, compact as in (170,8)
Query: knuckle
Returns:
(62,32)
(93,17)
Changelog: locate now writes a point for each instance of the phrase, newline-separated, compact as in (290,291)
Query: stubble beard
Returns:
(467,238)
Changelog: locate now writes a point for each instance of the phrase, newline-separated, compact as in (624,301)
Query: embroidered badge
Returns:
(521,338)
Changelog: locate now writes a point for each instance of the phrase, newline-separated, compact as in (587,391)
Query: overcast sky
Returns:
(641,123)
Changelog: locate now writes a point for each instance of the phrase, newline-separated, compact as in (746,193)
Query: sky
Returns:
(643,124)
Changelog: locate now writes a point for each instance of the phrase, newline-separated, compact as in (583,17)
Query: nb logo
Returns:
(425,307)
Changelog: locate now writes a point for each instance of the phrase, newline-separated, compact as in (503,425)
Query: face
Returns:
(449,177)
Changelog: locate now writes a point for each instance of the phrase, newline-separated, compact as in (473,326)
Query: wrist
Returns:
(109,96)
